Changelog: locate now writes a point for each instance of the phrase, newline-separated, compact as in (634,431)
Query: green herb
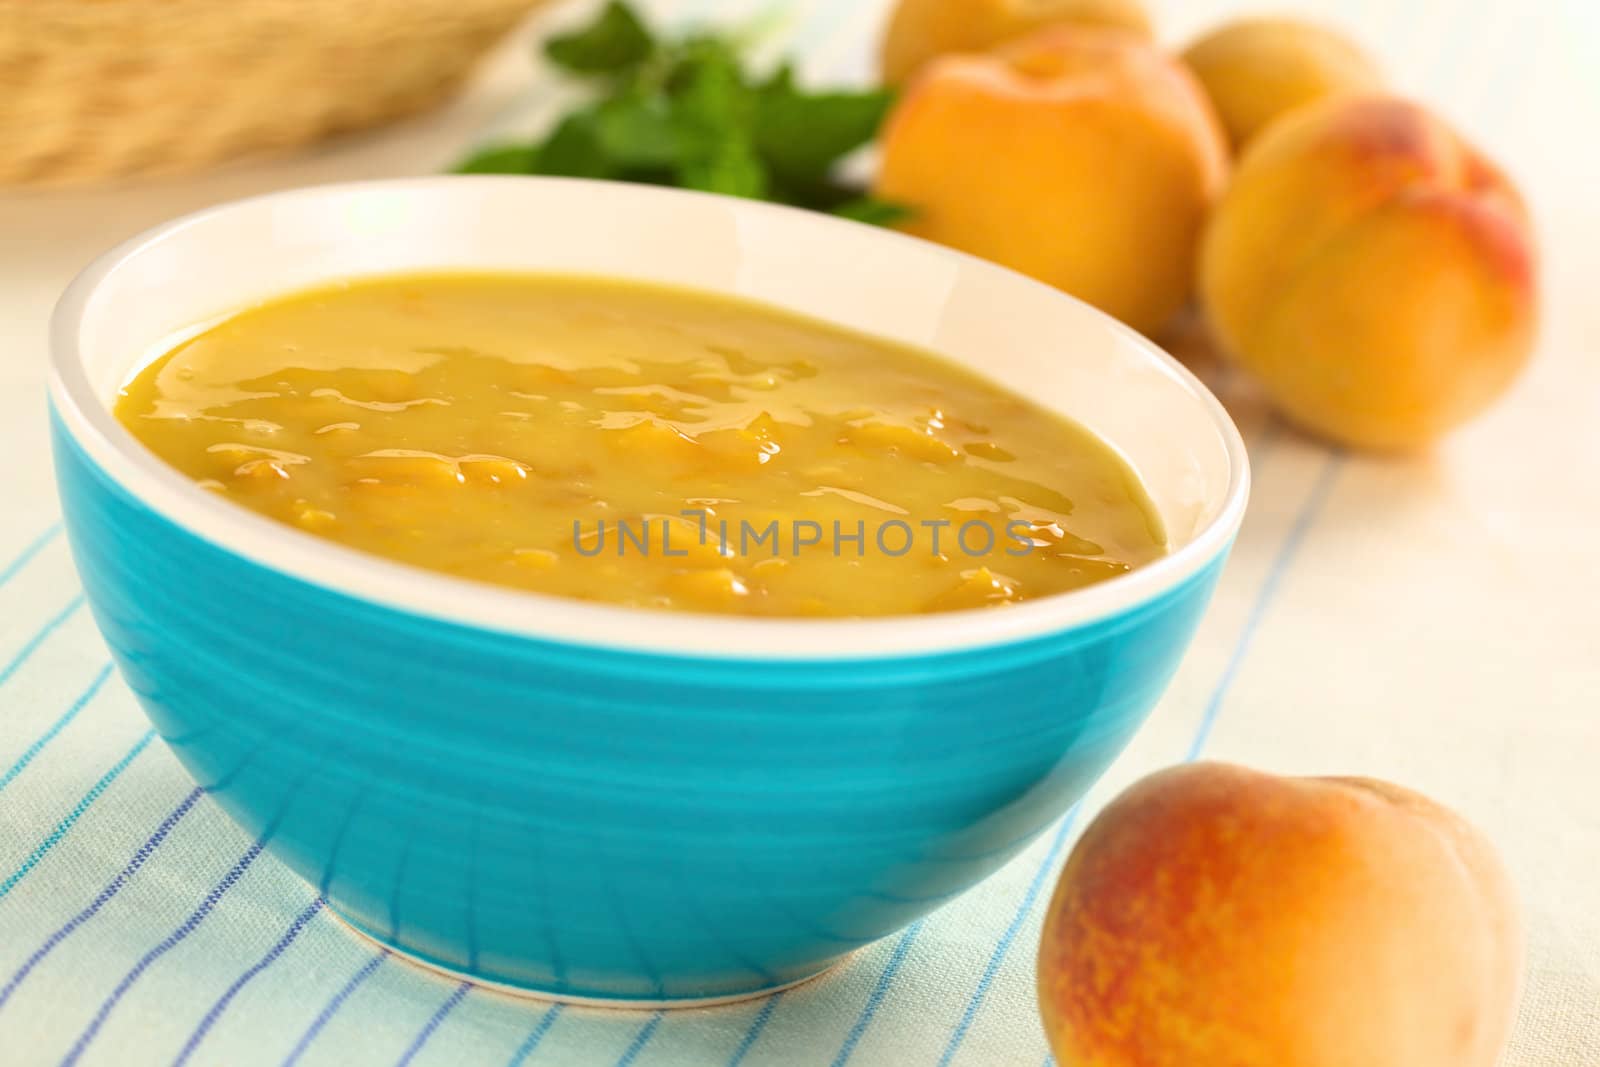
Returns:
(499,159)
(732,167)
(802,135)
(685,111)
(616,41)
(876,212)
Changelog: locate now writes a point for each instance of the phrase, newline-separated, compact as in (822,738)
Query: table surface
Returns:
(1428,620)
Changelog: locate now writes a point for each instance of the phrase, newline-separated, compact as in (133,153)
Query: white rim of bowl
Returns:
(561,620)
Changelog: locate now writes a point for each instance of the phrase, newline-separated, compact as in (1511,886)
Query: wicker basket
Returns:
(95,89)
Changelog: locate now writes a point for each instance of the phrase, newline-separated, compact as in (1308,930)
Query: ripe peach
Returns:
(1216,915)
(921,30)
(1373,270)
(1256,69)
(1084,157)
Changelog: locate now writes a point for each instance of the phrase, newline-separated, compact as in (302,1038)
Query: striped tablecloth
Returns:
(1431,621)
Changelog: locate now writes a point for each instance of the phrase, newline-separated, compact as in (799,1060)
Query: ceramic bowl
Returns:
(595,802)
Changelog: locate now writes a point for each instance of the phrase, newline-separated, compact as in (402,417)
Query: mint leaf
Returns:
(732,168)
(709,89)
(714,105)
(802,135)
(574,150)
(638,131)
(613,43)
(500,159)
(872,211)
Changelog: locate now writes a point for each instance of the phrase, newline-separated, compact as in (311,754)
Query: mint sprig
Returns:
(685,111)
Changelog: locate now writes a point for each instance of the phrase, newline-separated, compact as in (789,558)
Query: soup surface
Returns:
(644,446)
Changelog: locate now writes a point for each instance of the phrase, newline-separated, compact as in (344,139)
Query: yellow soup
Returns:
(645,446)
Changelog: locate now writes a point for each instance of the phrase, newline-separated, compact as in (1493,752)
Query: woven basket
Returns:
(96,89)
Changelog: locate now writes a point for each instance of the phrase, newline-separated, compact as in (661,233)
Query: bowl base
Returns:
(551,996)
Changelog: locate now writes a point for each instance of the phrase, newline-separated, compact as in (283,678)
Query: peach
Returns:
(1220,916)
(1373,271)
(921,30)
(1084,157)
(1256,69)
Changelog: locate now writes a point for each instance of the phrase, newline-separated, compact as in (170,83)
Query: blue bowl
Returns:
(593,802)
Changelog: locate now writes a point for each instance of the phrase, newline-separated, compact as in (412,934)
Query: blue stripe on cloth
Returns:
(535,1036)
(879,991)
(330,1009)
(215,1011)
(758,1024)
(26,555)
(997,957)
(641,1039)
(144,852)
(54,837)
(55,727)
(39,638)
(438,1017)
(1264,598)
(167,944)
(1265,595)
